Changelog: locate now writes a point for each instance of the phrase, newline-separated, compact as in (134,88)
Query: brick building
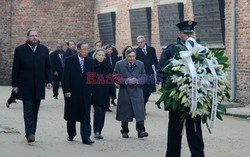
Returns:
(119,22)
(56,21)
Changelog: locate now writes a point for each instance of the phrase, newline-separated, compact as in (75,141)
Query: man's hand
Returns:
(15,89)
(132,81)
(67,95)
(135,80)
(56,73)
(49,86)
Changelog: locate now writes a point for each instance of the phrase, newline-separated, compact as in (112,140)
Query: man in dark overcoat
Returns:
(56,60)
(147,55)
(130,74)
(70,51)
(78,93)
(31,73)
(111,59)
(98,45)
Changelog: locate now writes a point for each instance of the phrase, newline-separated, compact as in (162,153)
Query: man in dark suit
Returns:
(78,93)
(70,51)
(111,59)
(147,55)
(56,60)
(98,45)
(30,73)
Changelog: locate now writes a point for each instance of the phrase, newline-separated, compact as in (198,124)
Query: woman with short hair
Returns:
(102,84)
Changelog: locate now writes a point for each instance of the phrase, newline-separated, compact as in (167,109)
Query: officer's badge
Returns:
(190,23)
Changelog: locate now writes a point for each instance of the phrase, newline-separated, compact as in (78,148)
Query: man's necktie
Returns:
(110,60)
(82,63)
(131,66)
(144,51)
(33,49)
(61,59)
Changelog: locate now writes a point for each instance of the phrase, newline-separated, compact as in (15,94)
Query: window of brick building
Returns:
(140,24)
(169,15)
(211,22)
(107,27)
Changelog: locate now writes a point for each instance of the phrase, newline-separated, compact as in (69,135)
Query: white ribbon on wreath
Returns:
(192,46)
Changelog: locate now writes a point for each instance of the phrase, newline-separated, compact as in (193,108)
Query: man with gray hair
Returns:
(147,55)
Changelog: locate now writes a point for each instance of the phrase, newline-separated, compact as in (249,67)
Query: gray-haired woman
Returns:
(102,83)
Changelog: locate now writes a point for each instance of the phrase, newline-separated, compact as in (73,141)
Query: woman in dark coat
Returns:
(102,89)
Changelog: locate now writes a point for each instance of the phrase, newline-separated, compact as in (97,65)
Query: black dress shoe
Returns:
(30,138)
(70,138)
(98,136)
(125,135)
(142,134)
(7,104)
(14,101)
(89,142)
(55,97)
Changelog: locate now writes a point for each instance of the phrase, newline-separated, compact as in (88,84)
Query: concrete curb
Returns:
(237,115)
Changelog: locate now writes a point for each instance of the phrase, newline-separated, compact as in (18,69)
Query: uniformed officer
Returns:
(175,125)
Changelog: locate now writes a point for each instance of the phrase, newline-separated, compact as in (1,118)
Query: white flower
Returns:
(174,78)
(218,67)
(214,60)
(185,70)
(176,62)
(176,68)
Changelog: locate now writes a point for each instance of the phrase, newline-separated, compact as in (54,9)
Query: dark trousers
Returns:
(56,81)
(30,113)
(112,94)
(12,97)
(146,97)
(139,127)
(85,129)
(194,138)
(99,118)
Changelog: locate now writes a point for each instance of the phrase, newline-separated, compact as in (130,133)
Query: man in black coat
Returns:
(111,59)
(175,124)
(70,51)
(98,45)
(147,55)
(56,60)
(30,74)
(78,93)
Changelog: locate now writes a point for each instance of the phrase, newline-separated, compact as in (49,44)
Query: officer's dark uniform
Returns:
(193,129)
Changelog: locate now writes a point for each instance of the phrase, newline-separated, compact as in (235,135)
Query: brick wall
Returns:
(243,48)
(5,23)
(56,22)
(123,36)
(123,30)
